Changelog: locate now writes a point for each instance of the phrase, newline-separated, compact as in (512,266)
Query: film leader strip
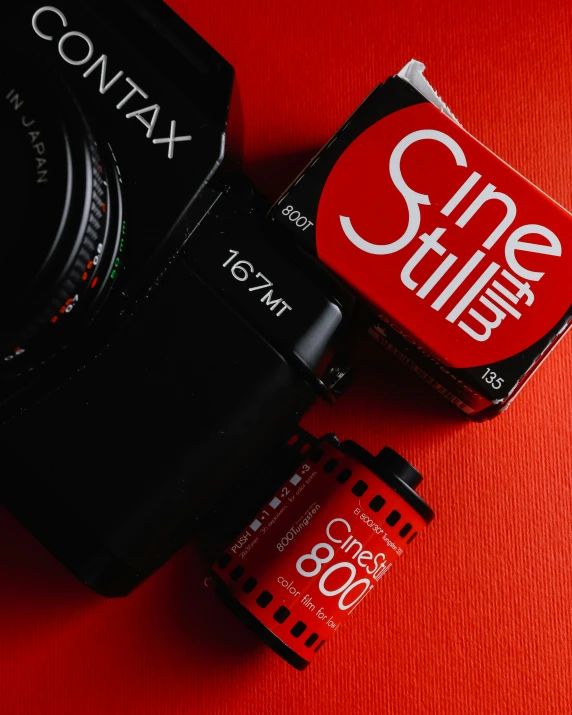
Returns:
(285,626)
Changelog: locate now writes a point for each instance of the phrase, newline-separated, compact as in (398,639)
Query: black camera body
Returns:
(162,340)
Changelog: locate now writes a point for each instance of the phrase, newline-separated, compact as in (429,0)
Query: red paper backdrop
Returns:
(477,617)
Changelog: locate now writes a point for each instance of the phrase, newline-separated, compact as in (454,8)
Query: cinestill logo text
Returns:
(499,290)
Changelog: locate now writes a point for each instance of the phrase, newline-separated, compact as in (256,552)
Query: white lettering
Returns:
(136,90)
(523,289)
(456,199)
(488,289)
(514,244)
(171,139)
(155,108)
(66,57)
(488,325)
(429,242)
(334,521)
(364,556)
(489,193)
(473,292)
(103,85)
(41,11)
(148,116)
(413,199)
(464,273)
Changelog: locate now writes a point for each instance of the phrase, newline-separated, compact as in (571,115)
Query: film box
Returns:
(464,264)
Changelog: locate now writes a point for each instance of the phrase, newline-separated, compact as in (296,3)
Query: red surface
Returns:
(477,616)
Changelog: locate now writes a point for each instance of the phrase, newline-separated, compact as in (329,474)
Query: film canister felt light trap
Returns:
(321,544)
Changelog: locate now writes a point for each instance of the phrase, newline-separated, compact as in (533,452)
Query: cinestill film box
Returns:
(464,263)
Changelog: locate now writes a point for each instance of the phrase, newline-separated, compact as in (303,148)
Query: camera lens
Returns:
(63,229)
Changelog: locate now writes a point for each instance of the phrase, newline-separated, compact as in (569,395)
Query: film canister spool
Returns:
(320,545)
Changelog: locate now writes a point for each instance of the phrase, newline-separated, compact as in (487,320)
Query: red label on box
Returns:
(439,233)
(317,549)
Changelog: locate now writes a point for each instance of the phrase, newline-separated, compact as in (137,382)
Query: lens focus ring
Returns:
(62,243)
(85,261)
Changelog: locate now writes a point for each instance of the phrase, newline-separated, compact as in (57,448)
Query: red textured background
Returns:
(477,617)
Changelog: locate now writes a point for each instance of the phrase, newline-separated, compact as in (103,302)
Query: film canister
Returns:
(321,544)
